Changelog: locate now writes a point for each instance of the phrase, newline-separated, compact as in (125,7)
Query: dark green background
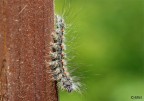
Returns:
(107,40)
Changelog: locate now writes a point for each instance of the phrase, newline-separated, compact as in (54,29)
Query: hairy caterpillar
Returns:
(58,62)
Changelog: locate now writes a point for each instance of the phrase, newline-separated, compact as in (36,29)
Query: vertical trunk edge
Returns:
(25,36)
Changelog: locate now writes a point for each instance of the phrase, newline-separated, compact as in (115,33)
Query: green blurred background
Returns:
(105,45)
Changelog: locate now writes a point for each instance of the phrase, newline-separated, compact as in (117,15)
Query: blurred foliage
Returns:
(108,47)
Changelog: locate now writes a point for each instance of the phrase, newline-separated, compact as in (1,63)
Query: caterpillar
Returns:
(58,62)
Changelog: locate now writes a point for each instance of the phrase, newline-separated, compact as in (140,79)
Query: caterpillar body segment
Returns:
(58,62)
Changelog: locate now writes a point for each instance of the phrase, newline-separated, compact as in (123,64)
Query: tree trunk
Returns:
(25,29)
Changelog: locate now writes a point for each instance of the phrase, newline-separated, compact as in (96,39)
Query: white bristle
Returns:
(58,63)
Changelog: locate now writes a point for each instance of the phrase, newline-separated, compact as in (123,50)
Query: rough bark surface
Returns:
(25,28)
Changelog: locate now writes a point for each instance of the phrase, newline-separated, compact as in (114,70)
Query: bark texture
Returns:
(25,28)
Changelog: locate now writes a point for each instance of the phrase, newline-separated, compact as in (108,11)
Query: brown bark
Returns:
(24,47)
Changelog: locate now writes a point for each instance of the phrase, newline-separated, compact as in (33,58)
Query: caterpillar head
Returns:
(60,22)
(70,85)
